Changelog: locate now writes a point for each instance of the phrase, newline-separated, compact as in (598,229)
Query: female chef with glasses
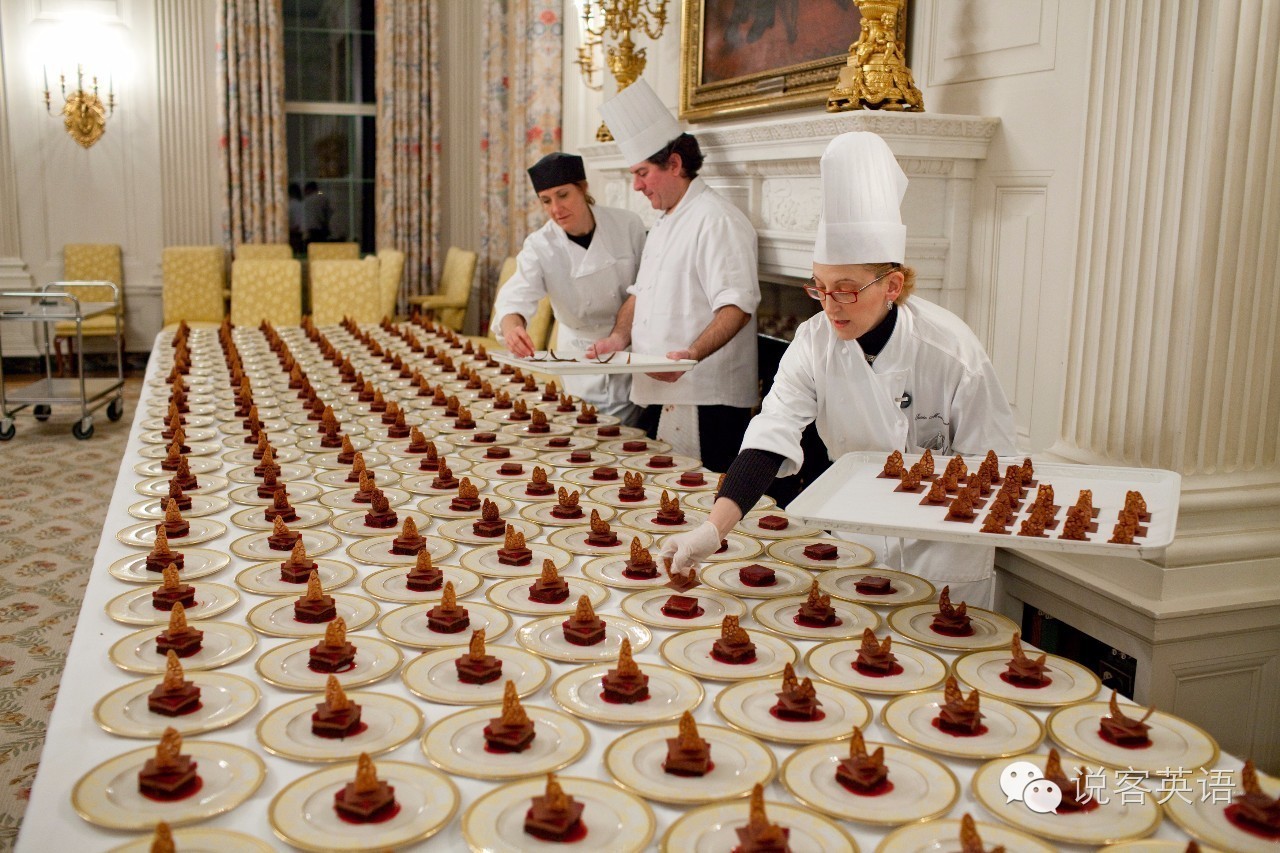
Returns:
(877,370)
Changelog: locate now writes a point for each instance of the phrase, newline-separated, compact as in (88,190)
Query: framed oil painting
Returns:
(749,56)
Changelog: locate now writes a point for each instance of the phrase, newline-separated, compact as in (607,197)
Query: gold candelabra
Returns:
(618,19)
(876,76)
(83,113)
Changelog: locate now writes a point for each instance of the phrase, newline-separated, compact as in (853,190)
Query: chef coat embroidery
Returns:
(933,432)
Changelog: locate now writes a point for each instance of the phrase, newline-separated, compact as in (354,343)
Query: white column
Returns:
(13,270)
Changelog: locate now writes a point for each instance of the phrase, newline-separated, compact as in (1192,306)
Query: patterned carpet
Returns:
(43,568)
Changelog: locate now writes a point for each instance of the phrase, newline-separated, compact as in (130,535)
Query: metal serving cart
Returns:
(46,306)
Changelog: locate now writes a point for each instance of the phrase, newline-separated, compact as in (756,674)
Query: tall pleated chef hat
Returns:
(639,122)
(556,169)
(862,189)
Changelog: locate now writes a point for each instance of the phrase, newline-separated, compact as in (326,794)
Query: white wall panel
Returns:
(982,39)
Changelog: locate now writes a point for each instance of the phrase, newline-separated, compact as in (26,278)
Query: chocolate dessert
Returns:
(734,646)
(337,716)
(604,472)
(179,637)
(669,511)
(959,715)
(757,575)
(333,653)
(555,816)
(519,411)
(1023,671)
(161,557)
(1255,810)
(539,423)
(626,684)
(640,565)
(174,525)
(357,468)
(444,478)
(635,446)
(177,496)
(282,538)
(315,606)
(173,696)
(170,775)
(368,487)
(513,552)
(448,617)
(682,581)
(873,585)
(409,542)
(601,535)
(566,504)
(347,454)
(380,515)
(431,459)
(798,700)
(660,461)
(893,466)
(367,799)
(513,731)
(1075,793)
(876,658)
(268,464)
(970,841)
(821,551)
(424,577)
(399,428)
(816,611)
(687,753)
(609,431)
(559,442)
(468,497)
(298,568)
(759,835)
(538,486)
(549,588)
(173,458)
(580,457)
(773,522)
(681,607)
(509,469)
(951,621)
(1125,731)
(476,667)
(496,451)
(172,591)
(464,420)
(280,506)
(584,628)
(588,415)
(692,479)
(861,773)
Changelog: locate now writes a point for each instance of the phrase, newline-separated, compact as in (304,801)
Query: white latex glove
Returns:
(690,549)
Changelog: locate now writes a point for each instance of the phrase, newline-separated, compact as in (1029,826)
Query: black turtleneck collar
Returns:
(583,240)
(875,340)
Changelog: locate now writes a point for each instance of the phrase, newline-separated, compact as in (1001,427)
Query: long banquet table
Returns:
(76,744)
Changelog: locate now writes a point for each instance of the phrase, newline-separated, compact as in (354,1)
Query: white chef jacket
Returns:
(586,286)
(700,256)
(934,364)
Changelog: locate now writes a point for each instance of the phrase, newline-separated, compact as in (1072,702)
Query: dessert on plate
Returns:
(513,731)
(798,700)
(640,565)
(873,585)
(566,504)
(380,515)
(958,715)
(169,775)
(584,627)
(970,841)
(314,606)
(733,646)
(173,591)
(816,611)
(468,497)
(549,588)
(1255,811)
(1120,730)
(490,524)
(1075,792)
(368,799)
(337,716)
(554,816)
(161,556)
(333,653)
(759,835)
(861,773)
(681,607)
(687,753)
(514,552)
(538,486)
(625,684)
(951,620)
(179,637)
(1024,671)
(298,568)
(876,658)
(448,617)
(821,551)
(174,696)
(600,534)
(669,511)
(409,541)
(424,577)
(475,666)
(281,537)
(174,525)
(633,487)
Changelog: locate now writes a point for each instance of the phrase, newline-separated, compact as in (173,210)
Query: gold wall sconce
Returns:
(83,113)
(618,18)
(876,76)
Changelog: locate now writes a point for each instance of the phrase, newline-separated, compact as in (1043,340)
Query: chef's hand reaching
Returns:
(671,376)
(516,337)
(604,346)
(690,549)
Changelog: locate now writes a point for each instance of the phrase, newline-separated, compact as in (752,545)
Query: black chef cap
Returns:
(555,169)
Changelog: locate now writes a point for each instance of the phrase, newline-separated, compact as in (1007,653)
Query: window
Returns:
(330,113)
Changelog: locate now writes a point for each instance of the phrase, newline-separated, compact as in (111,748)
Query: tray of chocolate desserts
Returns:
(570,363)
(1014,503)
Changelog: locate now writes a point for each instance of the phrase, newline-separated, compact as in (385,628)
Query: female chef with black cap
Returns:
(584,258)
(876,370)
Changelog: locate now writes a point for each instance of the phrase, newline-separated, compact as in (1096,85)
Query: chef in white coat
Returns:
(876,370)
(584,258)
(696,292)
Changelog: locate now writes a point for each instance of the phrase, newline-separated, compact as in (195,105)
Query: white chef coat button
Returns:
(844,350)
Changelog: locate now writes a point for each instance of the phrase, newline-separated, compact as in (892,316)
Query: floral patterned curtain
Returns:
(408,130)
(523,46)
(251,121)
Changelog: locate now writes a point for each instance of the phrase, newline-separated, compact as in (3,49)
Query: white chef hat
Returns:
(862,189)
(640,123)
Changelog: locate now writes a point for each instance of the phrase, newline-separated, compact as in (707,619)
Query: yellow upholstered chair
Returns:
(195,278)
(263,252)
(345,289)
(91,262)
(266,290)
(538,326)
(390,273)
(332,252)
(450,300)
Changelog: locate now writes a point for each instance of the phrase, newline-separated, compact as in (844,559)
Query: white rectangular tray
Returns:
(851,496)
(622,362)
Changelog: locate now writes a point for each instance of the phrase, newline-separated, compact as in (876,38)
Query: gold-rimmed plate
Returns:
(344,499)
(690,651)
(576,442)
(1007,729)
(516,490)
(917,668)
(746,706)
(906,588)
(608,495)
(780,614)
(512,595)
(385,722)
(570,419)
(108,795)
(1204,818)
(408,625)
(158,486)
(460,530)
(574,540)
(750,526)
(315,443)
(303,814)
(1069,682)
(737,547)
(197,563)
(484,560)
(671,693)
(990,630)
(1175,742)
(714,828)
(392,585)
(376,551)
(144,535)
(329,461)
(522,430)
(922,787)
(337,478)
(223,643)
(848,554)
(244,454)
(617,821)
(421,484)
(643,461)
(643,519)
(625,433)
(289,471)
(256,546)
(564,459)
(739,762)
(275,616)
(584,477)
(352,523)
(287,666)
(433,676)
(439,507)
(308,515)
(201,840)
(608,570)
(646,606)
(545,637)
(651,446)
(135,606)
(224,700)
(788,580)
(456,744)
(264,578)
(945,835)
(195,450)
(201,505)
(297,492)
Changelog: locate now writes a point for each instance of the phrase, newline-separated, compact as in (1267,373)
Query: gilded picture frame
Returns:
(743,57)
